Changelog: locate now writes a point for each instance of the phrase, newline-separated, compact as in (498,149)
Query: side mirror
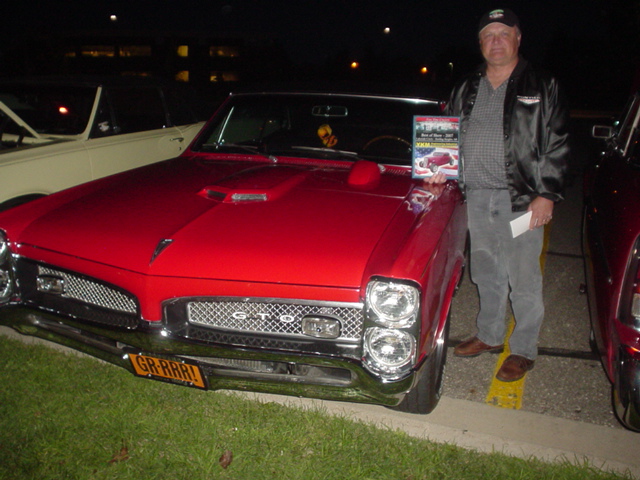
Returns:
(601,131)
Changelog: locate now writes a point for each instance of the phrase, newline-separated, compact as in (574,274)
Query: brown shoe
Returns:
(513,368)
(474,347)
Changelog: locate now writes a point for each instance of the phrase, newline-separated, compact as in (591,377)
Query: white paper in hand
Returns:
(520,224)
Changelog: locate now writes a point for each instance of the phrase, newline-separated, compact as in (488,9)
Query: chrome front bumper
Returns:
(230,368)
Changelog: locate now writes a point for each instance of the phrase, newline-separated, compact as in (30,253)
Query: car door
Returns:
(132,129)
(36,171)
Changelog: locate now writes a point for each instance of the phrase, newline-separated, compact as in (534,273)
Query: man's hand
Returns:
(436,178)
(541,212)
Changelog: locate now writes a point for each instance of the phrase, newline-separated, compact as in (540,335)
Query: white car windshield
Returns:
(48,109)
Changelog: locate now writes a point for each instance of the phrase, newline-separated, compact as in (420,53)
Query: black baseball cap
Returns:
(501,15)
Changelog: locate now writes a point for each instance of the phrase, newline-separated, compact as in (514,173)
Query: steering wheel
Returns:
(386,137)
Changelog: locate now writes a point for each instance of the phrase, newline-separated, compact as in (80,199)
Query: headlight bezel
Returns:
(396,330)
(381,289)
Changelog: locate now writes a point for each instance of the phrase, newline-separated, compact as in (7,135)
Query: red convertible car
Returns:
(288,250)
(612,257)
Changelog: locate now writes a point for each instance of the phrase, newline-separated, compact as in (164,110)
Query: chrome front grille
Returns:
(90,292)
(275,317)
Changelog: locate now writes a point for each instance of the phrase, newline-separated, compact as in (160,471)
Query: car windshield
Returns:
(49,109)
(320,126)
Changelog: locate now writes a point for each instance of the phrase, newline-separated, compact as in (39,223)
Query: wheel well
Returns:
(14,202)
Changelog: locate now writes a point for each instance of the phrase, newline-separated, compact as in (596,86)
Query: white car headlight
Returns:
(389,353)
(392,304)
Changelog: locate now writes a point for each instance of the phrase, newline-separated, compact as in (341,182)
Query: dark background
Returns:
(590,45)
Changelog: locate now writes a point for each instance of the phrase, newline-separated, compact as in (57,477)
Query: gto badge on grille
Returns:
(50,284)
(263,317)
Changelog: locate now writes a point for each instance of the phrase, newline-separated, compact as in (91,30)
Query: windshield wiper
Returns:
(255,150)
(329,151)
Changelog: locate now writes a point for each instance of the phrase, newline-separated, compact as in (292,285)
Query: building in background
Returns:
(206,62)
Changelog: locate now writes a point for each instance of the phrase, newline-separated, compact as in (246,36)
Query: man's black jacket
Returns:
(536,137)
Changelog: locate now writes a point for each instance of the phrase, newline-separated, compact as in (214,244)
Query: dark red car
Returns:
(611,241)
(288,250)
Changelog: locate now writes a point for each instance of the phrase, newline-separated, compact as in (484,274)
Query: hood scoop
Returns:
(230,196)
(255,185)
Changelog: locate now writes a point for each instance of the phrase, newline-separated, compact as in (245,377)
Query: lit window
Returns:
(135,51)
(215,77)
(98,51)
(136,74)
(223,51)
(182,50)
(182,76)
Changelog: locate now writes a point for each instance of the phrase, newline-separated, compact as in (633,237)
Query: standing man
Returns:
(514,153)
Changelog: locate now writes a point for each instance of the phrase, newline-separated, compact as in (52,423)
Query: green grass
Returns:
(68,417)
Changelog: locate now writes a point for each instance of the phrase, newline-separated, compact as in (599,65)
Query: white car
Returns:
(59,132)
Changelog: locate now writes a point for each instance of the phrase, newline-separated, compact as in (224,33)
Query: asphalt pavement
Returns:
(568,380)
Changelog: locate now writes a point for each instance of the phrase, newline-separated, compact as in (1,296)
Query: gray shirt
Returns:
(483,146)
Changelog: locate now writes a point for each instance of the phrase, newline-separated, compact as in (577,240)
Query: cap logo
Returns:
(496,14)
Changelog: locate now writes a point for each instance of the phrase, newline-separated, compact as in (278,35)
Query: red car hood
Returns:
(306,225)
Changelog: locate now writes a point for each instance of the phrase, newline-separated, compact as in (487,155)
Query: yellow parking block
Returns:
(509,394)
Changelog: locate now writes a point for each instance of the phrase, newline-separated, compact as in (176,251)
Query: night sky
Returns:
(314,29)
(589,38)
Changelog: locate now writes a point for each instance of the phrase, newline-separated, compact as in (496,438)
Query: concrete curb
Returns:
(480,427)
(489,429)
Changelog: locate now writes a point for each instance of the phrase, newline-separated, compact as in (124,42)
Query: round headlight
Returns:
(393,304)
(389,352)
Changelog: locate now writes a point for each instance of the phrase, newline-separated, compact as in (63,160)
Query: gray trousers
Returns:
(505,268)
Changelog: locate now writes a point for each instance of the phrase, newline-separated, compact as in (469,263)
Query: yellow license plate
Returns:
(170,370)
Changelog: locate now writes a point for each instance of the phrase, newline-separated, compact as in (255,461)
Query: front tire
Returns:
(425,395)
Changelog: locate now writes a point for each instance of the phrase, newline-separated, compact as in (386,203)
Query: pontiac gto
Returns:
(288,250)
